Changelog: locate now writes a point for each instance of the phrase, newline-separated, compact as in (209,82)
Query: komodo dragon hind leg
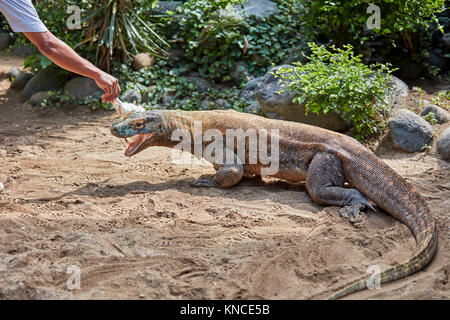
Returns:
(227,175)
(325,184)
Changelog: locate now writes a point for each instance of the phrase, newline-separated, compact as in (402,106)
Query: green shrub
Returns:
(337,80)
(212,40)
(345,21)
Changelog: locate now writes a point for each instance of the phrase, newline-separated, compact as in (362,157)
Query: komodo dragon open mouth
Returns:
(137,144)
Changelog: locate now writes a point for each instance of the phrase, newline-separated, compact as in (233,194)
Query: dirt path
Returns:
(135,229)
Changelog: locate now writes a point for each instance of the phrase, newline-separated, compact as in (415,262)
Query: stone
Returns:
(205,104)
(221,104)
(249,91)
(410,132)
(164,6)
(13,73)
(200,83)
(446,40)
(5,40)
(22,50)
(280,106)
(443,145)
(441,115)
(260,8)
(254,107)
(240,72)
(21,80)
(81,88)
(132,96)
(142,60)
(48,79)
(436,58)
(399,92)
(37,98)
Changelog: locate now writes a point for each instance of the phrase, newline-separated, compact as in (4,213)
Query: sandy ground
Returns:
(136,229)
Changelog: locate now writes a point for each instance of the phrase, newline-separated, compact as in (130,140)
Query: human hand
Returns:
(110,85)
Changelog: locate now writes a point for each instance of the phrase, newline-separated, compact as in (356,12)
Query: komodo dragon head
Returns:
(146,128)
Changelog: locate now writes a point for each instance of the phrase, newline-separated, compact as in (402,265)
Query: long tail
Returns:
(390,191)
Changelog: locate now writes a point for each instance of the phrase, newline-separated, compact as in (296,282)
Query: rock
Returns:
(240,72)
(5,40)
(260,8)
(410,132)
(13,73)
(2,187)
(37,98)
(221,104)
(254,107)
(446,40)
(280,106)
(164,6)
(398,94)
(81,88)
(249,91)
(22,50)
(410,70)
(176,55)
(200,83)
(436,59)
(21,80)
(249,95)
(142,60)
(48,79)
(443,145)
(132,96)
(205,104)
(440,114)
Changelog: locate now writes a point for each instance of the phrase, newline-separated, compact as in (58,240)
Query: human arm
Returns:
(65,57)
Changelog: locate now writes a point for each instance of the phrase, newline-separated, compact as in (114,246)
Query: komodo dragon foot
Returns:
(352,211)
(226,176)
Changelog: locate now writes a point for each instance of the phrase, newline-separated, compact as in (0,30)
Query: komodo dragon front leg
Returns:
(227,174)
(325,184)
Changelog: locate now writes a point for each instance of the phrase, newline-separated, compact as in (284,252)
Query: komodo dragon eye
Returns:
(139,125)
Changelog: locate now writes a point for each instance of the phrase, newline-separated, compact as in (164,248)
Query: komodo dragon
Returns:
(322,158)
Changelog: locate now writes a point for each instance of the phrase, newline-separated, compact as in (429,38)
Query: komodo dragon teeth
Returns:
(326,160)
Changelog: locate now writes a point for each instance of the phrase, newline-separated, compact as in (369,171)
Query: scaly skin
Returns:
(322,158)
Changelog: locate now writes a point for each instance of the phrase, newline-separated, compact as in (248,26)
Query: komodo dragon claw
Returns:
(352,211)
(204,183)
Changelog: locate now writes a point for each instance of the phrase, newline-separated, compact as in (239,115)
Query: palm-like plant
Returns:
(120,30)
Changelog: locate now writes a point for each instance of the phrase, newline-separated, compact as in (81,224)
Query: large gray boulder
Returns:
(443,145)
(81,88)
(441,115)
(410,132)
(280,106)
(48,79)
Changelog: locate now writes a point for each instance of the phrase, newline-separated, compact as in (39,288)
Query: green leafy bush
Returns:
(212,39)
(345,21)
(337,80)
